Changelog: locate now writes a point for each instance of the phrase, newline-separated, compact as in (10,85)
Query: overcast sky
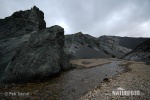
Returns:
(94,17)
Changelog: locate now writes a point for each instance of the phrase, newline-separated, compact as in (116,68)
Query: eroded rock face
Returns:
(39,58)
(21,23)
(16,30)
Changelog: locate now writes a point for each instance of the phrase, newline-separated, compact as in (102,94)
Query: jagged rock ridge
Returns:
(22,22)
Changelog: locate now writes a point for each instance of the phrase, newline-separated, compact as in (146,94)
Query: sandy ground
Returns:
(135,80)
(87,63)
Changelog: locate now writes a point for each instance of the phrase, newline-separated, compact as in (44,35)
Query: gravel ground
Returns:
(136,79)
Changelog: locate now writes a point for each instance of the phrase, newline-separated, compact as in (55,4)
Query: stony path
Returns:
(137,79)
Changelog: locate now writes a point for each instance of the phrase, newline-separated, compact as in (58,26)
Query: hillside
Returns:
(140,53)
(84,46)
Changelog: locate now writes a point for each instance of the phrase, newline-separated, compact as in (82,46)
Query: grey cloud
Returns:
(94,17)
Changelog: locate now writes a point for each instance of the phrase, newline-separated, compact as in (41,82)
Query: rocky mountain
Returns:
(140,53)
(28,50)
(81,45)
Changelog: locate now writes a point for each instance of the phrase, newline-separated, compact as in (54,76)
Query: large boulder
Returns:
(37,59)
(16,30)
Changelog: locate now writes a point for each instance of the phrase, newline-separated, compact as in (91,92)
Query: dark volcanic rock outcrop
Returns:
(15,30)
(28,50)
(39,58)
(140,53)
(22,22)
